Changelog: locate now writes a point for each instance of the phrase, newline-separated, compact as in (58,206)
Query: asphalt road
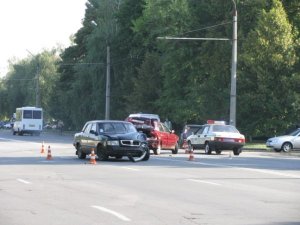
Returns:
(260,188)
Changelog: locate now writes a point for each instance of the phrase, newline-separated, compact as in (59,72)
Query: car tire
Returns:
(101,155)
(119,157)
(190,146)
(218,152)
(147,156)
(207,148)
(287,147)
(175,151)
(237,151)
(157,150)
(80,153)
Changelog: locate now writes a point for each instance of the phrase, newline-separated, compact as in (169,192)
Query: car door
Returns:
(296,141)
(92,137)
(203,136)
(171,138)
(84,136)
(162,135)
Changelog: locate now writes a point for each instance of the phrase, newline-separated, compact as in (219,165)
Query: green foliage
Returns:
(184,81)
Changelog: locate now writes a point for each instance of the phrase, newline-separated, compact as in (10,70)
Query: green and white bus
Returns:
(28,120)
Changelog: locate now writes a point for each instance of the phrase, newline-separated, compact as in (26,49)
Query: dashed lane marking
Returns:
(205,182)
(114,213)
(23,181)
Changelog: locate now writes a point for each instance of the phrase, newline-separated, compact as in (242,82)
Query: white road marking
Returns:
(205,182)
(120,216)
(238,167)
(23,181)
(129,168)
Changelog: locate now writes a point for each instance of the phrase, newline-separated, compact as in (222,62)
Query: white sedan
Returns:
(7,126)
(285,143)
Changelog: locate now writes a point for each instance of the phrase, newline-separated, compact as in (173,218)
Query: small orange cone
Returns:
(191,156)
(93,157)
(49,156)
(42,149)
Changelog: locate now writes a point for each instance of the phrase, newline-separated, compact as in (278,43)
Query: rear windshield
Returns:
(32,114)
(116,128)
(224,128)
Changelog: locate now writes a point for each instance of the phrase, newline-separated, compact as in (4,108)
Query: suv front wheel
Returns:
(80,153)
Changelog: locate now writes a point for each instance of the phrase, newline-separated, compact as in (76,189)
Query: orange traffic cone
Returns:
(42,149)
(191,156)
(93,157)
(49,156)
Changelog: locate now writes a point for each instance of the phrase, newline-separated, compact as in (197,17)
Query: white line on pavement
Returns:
(23,181)
(129,168)
(238,167)
(205,182)
(120,216)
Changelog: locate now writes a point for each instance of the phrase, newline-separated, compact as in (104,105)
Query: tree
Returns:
(266,83)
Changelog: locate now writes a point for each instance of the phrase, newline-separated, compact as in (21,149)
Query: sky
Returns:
(36,25)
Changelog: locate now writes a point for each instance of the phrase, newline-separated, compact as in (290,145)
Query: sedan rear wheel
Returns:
(175,151)
(237,151)
(218,152)
(287,147)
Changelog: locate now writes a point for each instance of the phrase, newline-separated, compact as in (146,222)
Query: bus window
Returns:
(37,114)
(27,114)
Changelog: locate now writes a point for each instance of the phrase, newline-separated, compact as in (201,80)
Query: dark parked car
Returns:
(110,138)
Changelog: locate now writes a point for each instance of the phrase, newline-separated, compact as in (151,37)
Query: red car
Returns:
(159,136)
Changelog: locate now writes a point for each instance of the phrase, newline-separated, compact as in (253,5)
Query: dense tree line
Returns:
(184,81)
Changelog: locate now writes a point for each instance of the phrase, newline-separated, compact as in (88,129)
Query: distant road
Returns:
(255,188)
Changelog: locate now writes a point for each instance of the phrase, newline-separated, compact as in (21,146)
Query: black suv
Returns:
(111,138)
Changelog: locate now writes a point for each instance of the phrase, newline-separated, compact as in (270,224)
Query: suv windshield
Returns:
(116,128)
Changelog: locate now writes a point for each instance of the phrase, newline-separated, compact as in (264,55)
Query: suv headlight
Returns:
(113,143)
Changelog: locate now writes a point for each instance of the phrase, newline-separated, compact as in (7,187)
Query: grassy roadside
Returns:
(256,145)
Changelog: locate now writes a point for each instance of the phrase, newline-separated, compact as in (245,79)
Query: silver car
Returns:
(285,143)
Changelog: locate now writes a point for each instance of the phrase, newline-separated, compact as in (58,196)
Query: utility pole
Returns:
(37,84)
(107,95)
(232,117)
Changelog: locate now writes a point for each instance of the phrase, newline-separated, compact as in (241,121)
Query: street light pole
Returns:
(107,94)
(232,117)
(37,86)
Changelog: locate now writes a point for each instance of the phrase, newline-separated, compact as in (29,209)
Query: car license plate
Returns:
(228,139)
(31,125)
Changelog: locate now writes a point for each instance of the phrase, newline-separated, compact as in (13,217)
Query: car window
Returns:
(295,133)
(93,128)
(224,128)
(205,130)
(165,128)
(108,128)
(119,128)
(129,127)
(87,128)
